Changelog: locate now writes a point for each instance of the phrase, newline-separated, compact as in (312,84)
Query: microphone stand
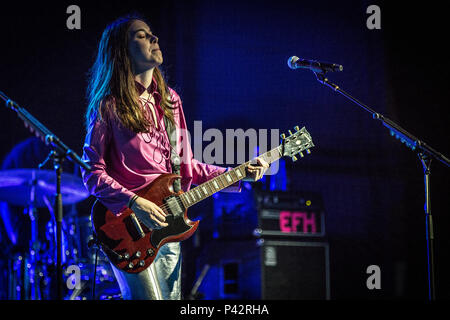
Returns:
(59,152)
(425,154)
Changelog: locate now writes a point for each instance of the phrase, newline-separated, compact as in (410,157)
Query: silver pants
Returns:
(160,281)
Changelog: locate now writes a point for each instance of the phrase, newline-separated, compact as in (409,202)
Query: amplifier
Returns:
(295,270)
(264,269)
(292,214)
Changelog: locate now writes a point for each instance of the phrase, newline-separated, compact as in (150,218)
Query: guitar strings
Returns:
(165,206)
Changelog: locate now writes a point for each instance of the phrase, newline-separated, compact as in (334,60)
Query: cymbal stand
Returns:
(59,152)
(33,269)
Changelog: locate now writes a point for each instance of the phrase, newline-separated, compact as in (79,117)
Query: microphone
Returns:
(313,65)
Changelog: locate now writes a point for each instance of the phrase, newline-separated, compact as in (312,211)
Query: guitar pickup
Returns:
(174,206)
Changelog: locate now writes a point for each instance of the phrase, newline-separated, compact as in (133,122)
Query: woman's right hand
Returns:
(150,214)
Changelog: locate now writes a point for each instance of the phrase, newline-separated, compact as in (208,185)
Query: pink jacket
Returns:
(124,162)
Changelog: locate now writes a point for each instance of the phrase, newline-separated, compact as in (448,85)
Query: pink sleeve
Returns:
(98,182)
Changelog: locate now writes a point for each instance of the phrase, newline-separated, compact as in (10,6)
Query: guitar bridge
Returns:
(134,227)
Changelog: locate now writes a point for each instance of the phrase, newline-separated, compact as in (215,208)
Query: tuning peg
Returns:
(283,136)
(297,128)
(294,158)
(301,154)
(290,132)
(308,151)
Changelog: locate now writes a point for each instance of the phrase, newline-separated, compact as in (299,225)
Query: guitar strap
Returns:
(174,157)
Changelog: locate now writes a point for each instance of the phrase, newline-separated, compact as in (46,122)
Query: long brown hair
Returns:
(111,90)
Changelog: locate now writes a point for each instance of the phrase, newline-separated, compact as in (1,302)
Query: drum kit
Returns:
(32,273)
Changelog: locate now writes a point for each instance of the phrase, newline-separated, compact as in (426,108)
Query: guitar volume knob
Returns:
(151,252)
(141,263)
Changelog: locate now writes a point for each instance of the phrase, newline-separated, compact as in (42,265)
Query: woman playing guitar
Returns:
(128,147)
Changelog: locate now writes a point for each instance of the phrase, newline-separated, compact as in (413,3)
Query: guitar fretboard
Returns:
(224,180)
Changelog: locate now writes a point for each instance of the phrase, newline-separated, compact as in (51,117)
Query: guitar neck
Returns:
(225,180)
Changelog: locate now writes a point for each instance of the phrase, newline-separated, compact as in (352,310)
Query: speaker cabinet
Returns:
(295,270)
(265,269)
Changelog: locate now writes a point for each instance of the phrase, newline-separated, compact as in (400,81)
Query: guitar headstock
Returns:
(296,143)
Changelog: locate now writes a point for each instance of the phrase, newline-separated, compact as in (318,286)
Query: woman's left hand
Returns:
(256,172)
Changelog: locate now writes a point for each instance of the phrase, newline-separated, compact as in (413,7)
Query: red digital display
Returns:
(297,221)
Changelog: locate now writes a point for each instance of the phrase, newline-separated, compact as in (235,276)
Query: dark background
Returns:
(227,60)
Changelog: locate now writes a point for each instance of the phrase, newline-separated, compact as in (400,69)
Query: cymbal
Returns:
(18,186)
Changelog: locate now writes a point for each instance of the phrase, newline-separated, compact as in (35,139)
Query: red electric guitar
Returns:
(131,246)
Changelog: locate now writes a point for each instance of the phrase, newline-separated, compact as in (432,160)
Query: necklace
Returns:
(147,102)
